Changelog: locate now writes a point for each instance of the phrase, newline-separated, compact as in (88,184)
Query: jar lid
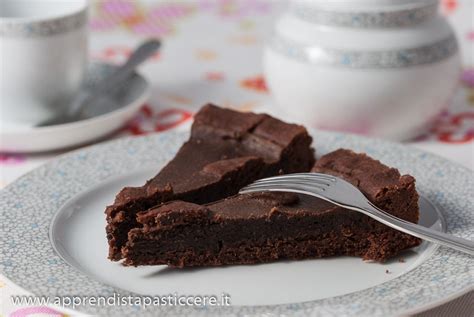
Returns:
(365,13)
(366,5)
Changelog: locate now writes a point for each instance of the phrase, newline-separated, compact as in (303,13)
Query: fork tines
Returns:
(304,182)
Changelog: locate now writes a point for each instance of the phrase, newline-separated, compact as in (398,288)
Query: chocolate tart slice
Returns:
(264,227)
(226,151)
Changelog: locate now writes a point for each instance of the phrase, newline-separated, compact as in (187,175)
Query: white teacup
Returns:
(43,56)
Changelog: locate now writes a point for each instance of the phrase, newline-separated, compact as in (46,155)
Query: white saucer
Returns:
(128,98)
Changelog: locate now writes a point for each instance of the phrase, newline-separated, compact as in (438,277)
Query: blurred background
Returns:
(212,52)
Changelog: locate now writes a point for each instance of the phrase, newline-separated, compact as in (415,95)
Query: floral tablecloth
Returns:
(212,52)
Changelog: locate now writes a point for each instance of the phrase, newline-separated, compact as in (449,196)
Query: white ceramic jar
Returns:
(384,68)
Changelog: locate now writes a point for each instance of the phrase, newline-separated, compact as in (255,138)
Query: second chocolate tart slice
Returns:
(226,151)
(264,227)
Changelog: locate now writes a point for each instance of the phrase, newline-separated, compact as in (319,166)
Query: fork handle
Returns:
(424,233)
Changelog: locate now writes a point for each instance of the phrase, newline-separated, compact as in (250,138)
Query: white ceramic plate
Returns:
(53,223)
(98,123)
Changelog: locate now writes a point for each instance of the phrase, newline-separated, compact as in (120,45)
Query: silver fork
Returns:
(344,194)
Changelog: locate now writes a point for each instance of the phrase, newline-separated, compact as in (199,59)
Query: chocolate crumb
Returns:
(401,260)
(387,272)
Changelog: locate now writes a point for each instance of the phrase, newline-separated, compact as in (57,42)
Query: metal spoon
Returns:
(85,98)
